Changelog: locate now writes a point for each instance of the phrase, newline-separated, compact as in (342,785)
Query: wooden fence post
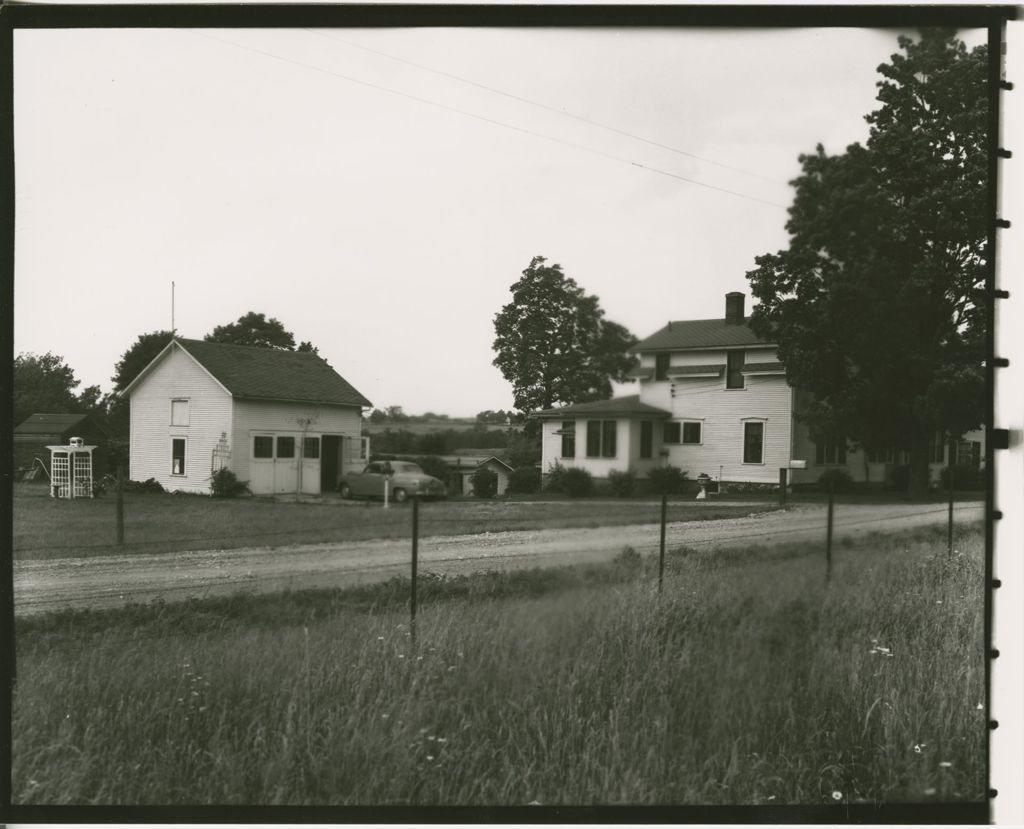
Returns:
(661,555)
(828,537)
(120,506)
(415,565)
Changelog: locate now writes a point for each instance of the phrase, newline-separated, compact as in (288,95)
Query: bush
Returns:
(577,482)
(436,468)
(666,480)
(622,483)
(524,481)
(485,483)
(964,477)
(839,479)
(225,484)
(898,478)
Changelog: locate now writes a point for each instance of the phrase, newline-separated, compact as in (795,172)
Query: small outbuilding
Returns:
(34,436)
(283,421)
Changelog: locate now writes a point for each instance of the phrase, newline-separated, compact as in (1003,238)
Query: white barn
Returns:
(283,421)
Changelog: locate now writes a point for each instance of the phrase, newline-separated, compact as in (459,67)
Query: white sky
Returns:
(262,176)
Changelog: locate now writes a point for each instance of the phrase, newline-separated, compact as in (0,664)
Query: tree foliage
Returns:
(553,343)
(138,356)
(255,329)
(873,304)
(45,384)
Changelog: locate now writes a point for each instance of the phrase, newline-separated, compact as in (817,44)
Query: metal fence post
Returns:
(415,564)
(828,536)
(661,555)
(120,506)
(949,469)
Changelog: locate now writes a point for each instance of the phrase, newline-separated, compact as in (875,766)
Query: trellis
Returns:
(71,470)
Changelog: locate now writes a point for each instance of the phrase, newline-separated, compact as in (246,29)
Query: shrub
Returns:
(666,480)
(485,483)
(898,478)
(964,477)
(622,483)
(436,468)
(525,480)
(839,479)
(577,482)
(225,484)
(554,481)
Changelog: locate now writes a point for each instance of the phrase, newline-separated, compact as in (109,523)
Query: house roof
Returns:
(256,373)
(49,424)
(629,406)
(713,333)
(471,462)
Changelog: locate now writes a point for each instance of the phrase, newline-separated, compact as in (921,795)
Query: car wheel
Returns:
(345,490)
(400,496)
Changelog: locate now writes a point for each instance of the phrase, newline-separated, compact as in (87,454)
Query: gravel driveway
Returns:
(42,586)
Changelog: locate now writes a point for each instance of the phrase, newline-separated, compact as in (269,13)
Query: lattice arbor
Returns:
(71,470)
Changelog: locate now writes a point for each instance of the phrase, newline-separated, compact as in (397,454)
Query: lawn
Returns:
(160,522)
(748,681)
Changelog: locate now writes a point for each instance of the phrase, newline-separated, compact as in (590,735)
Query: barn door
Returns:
(261,465)
(310,469)
(286,464)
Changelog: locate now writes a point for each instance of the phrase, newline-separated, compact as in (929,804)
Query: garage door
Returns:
(283,462)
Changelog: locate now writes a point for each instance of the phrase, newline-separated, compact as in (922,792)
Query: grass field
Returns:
(749,681)
(50,528)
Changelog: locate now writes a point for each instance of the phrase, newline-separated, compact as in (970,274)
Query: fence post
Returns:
(783,481)
(949,529)
(415,564)
(828,536)
(120,506)
(661,555)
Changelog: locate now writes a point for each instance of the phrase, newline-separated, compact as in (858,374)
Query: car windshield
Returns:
(410,468)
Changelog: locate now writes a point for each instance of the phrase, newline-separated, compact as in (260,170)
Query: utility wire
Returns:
(484,118)
(539,105)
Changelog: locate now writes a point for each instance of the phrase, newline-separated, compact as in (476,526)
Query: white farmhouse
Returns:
(284,421)
(713,399)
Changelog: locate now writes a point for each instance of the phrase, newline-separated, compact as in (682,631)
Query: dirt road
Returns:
(42,586)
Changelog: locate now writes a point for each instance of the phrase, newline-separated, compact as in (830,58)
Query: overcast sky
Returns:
(379,191)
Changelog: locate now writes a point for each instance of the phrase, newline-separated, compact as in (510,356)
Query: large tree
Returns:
(874,304)
(46,384)
(255,329)
(553,343)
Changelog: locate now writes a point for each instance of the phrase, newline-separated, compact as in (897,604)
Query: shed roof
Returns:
(629,406)
(272,374)
(713,333)
(49,424)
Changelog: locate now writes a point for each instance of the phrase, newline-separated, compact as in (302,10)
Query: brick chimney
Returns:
(734,308)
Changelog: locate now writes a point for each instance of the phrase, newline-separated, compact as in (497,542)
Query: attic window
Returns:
(179,412)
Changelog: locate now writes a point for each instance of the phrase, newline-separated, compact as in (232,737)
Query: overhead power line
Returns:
(484,118)
(539,105)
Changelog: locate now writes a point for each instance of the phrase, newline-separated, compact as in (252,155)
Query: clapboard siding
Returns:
(177,376)
(598,467)
(286,418)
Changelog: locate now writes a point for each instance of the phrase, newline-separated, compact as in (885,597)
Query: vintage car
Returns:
(404,479)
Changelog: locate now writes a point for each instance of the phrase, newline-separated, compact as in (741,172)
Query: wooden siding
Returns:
(274,418)
(551,448)
(178,376)
(723,412)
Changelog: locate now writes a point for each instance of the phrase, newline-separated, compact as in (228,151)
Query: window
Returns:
(177,456)
(311,448)
(661,362)
(285,446)
(608,436)
(753,442)
(691,432)
(672,432)
(179,413)
(568,438)
(601,439)
(263,446)
(968,453)
(734,369)
(830,452)
(646,438)
(938,448)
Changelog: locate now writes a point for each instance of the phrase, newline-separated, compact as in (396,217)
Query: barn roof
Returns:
(713,333)
(273,374)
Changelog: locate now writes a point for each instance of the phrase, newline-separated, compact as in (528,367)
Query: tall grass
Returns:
(748,681)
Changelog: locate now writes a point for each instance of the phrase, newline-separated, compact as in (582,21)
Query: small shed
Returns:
(36,433)
(465,466)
